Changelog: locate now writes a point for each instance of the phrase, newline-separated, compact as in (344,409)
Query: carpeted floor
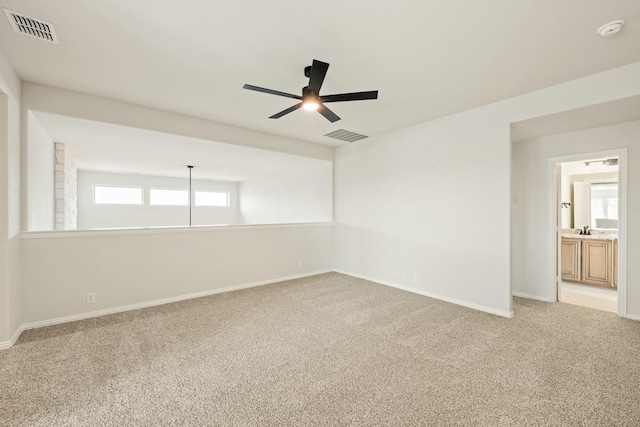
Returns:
(326,350)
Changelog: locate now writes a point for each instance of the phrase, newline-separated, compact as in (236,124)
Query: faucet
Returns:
(586,231)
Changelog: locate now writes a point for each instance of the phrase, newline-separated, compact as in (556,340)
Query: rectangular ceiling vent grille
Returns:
(345,135)
(31,27)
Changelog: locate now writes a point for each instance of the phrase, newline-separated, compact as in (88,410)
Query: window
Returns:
(107,195)
(212,198)
(604,205)
(164,197)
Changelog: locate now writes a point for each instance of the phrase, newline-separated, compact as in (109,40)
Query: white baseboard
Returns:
(530,296)
(13,339)
(456,301)
(633,316)
(120,309)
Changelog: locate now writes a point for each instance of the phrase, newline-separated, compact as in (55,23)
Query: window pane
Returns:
(212,198)
(159,196)
(604,204)
(597,210)
(103,195)
(612,209)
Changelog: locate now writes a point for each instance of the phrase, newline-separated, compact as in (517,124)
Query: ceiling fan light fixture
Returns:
(311,105)
(310,98)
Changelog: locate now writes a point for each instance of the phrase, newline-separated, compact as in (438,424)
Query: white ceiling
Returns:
(427,58)
(111,148)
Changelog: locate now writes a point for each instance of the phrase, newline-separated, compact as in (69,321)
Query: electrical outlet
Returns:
(300,265)
(91,297)
(416,277)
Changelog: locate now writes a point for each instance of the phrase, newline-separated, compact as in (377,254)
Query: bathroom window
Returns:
(604,205)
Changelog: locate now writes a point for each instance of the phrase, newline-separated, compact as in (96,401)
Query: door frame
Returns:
(555,218)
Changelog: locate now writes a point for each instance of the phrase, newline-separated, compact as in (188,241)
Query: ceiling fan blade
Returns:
(328,114)
(271,92)
(354,96)
(318,71)
(287,111)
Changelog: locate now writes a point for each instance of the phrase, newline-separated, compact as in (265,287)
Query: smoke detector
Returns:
(30,26)
(607,30)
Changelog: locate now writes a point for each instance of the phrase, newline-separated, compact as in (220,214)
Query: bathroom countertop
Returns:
(598,236)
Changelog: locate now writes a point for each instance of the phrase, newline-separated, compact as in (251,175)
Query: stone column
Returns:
(66,189)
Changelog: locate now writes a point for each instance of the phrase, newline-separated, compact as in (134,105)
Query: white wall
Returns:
(428,207)
(300,195)
(119,216)
(73,104)
(139,266)
(40,171)
(530,215)
(10,290)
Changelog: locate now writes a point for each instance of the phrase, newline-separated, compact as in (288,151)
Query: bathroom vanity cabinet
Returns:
(589,260)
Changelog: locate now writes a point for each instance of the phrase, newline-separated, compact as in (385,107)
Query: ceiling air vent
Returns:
(345,135)
(31,26)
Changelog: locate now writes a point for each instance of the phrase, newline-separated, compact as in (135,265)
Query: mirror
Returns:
(604,205)
(595,204)
(589,194)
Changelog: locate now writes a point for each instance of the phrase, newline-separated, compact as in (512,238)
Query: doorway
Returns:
(587,217)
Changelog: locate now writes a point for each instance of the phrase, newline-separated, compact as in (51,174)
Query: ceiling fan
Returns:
(311,98)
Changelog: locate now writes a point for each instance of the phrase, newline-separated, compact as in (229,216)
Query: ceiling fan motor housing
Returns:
(309,93)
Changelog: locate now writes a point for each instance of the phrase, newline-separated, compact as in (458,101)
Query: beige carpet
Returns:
(326,350)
